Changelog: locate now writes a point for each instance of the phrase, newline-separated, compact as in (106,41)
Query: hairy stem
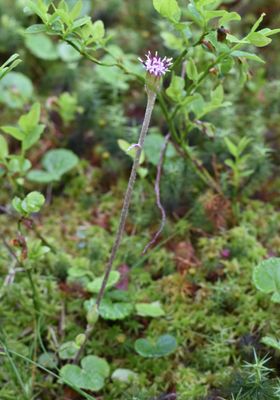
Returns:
(151,97)
(127,199)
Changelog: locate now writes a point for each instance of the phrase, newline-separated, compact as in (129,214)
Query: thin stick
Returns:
(157,191)
(151,98)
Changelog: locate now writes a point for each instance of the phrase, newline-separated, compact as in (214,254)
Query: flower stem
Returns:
(151,98)
(127,199)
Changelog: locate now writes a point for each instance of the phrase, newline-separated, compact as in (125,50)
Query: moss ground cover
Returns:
(184,320)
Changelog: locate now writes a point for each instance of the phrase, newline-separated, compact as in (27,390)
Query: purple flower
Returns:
(155,65)
(225,253)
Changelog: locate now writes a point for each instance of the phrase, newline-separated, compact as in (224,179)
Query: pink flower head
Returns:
(155,65)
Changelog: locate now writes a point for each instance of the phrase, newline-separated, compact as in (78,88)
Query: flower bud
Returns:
(92,316)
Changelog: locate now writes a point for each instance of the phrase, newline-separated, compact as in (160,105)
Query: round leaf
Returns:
(164,346)
(266,276)
(74,375)
(41,46)
(68,350)
(96,365)
(15,90)
(59,161)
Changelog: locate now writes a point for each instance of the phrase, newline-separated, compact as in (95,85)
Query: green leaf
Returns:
(97,31)
(39,176)
(48,360)
(13,131)
(95,286)
(233,149)
(68,350)
(164,346)
(36,28)
(96,365)
(154,141)
(81,22)
(76,10)
(56,162)
(90,376)
(30,120)
(17,164)
(10,64)
(39,8)
(41,46)
(124,375)
(223,14)
(67,53)
(114,311)
(269,32)
(259,40)
(32,137)
(176,90)
(271,342)
(245,54)
(257,23)
(16,90)
(131,151)
(266,276)
(32,203)
(59,161)
(217,95)
(168,9)
(75,376)
(150,310)
(191,69)
(4,150)
(194,14)
(172,42)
